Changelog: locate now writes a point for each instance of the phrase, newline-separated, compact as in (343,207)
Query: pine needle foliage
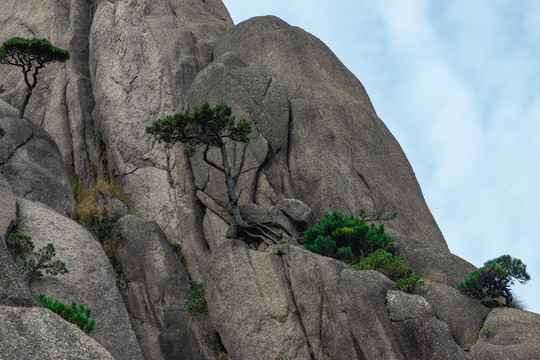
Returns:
(494,279)
(345,237)
(207,127)
(75,314)
(392,267)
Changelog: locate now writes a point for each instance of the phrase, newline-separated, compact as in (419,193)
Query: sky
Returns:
(458,85)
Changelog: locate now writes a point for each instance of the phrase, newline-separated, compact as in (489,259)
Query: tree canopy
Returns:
(495,278)
(31,55)
(206,127)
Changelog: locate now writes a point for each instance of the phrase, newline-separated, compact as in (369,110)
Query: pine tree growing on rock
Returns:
(206,127)
(31,55)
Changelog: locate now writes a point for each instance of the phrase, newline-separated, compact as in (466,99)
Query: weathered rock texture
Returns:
(31,163)
(292,302)
(143,57)
(157,285)
(508,334)
(91,279)
(334,152)
(38,333)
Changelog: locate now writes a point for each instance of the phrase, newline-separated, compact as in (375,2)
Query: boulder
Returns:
(38,333)
(508,334)
(31,163)
(336,153)
(157,281)
(464,315)
(403,306)
(91,279)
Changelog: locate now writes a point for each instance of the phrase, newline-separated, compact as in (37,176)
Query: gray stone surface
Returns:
(91,279)
(464,315)
(8,212)
(157,281)
(38,333)
(508,334)
(250,304)
(143,57)
(31,163)
(336,153)
(403,306)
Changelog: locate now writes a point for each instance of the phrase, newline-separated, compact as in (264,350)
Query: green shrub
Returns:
(43,261)
(391,266)
(196,301)
(75,314)
(494,279)
(345,237)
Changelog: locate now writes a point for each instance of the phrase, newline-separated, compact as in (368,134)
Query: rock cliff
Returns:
(317,145)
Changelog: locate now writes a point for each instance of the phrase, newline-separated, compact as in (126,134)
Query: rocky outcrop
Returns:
(38,333)
(288,301)
(508,334)
(91,279)
(336,154)
(31,163)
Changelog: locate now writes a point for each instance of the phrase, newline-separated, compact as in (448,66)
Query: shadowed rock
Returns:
(31,163)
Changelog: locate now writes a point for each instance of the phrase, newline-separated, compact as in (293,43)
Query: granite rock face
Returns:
(62,102)
(157,282)
(336,153)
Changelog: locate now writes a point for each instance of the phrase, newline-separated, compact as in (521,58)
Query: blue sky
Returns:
(458,84)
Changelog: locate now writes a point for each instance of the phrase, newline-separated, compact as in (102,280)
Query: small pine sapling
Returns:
(43,261)
(75,314)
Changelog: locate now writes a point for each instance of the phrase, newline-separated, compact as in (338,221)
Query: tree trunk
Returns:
(25,102)
(231,187)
